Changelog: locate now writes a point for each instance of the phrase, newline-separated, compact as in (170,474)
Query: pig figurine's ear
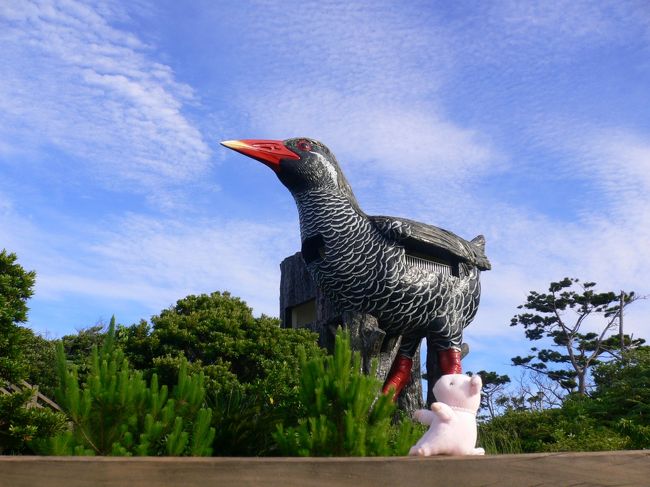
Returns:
(475,384)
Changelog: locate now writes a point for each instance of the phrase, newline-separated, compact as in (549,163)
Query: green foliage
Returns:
(115,413)
(38,356)
(344,414)
(570,428)
(15,289)
(517,432)
(500,435)
(21,424)
(245,422)
(621,399)
(638,435)
(251,365)
(615,417)
(576,429)
(218,331)
(79,347)
(623,388)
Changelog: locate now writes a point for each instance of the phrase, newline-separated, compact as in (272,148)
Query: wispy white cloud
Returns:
(75,82)
(151,262)
(617,161)
(370,49)
(608,242)
(367,79)
(392,139)
(600,21)
(189,255)
(540,33)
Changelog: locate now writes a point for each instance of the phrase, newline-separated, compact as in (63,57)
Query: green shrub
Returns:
(576,429)
(499,436)
(623,390)
(115,413)
(638,435)
(345,413)
(21,425)
(251,365)
(570,428)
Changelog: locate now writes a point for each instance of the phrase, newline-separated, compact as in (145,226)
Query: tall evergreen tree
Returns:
(19,423)
(15,289)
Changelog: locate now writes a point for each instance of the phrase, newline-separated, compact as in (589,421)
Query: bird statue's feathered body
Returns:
(416,279)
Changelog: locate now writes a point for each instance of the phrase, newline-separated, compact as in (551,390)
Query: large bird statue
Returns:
(417,280)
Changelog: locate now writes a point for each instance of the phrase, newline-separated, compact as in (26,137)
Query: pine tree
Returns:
(346,414)
(560,315)
(115,413)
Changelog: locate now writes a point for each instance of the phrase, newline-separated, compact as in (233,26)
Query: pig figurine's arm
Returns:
(443,411)
(424,416)
(439,409)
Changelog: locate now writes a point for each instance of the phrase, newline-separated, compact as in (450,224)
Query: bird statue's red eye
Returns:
(304,145)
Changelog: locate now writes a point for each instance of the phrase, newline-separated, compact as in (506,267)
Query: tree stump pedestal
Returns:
(303,305)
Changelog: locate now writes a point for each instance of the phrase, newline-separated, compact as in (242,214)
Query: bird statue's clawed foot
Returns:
(449,361)
(398,377)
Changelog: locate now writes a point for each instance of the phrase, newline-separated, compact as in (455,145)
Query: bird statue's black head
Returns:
(301,164)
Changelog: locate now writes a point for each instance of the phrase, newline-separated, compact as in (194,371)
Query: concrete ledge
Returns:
(560,469)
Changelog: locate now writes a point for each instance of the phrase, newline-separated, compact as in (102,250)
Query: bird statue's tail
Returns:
(479,241)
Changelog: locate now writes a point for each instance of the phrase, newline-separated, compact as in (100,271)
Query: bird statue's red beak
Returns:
(269,152)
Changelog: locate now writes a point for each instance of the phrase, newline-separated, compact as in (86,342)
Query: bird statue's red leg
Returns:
(449,361)
(399,376)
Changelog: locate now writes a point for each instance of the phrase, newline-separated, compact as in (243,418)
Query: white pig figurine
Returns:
(452,420)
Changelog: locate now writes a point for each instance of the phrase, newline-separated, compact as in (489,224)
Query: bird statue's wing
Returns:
(433,241)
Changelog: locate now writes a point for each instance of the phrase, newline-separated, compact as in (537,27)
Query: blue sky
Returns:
(528,122)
